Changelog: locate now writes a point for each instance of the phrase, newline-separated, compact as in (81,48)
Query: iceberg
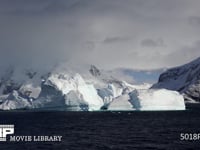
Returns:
(161,99)
(121,103)
(76,102)
(14,101)
(70,90)
(148,99)
(63,89)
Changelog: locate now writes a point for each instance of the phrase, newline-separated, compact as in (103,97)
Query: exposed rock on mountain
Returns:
(184,79)
(94,71)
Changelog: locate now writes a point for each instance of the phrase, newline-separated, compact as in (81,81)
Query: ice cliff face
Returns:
(161,99)
(148,99)
(61,89)
(14,101)
(56,89)
(184,79)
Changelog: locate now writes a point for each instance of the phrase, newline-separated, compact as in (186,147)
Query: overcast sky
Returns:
(139,34)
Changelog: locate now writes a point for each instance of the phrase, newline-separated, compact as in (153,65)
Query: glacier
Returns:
(64,89)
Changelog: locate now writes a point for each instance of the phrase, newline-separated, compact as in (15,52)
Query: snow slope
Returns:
(184,79)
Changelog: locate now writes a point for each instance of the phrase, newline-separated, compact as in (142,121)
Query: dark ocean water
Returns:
(105,130)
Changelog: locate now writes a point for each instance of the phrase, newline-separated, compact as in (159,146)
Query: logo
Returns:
(9,129)
(6,130)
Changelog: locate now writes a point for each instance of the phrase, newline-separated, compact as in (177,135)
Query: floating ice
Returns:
(121,103)
(161,99)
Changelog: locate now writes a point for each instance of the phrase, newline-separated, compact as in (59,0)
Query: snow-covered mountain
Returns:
(184,79)
(64,89)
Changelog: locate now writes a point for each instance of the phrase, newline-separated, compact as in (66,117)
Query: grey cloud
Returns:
(152,43)
(110,40)
(194,20)
(37,7)
(105,33)
(183,55)
(90,45)
(23,7)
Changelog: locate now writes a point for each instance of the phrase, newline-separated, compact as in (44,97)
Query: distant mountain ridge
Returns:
(184,79)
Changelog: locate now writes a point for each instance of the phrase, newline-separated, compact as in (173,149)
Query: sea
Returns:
(105,130)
